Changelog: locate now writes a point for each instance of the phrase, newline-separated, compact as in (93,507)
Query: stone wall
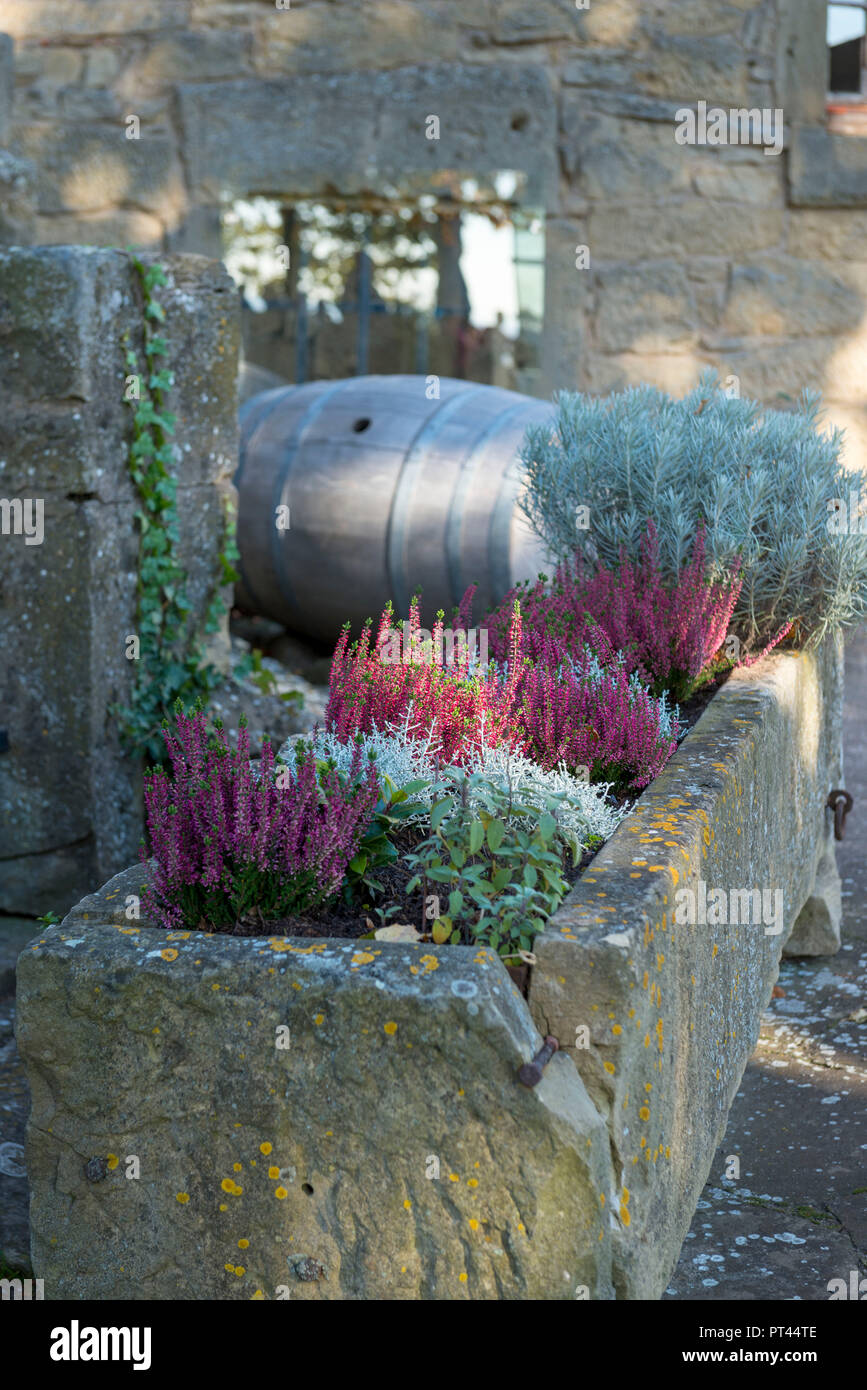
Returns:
(69,795)
(698,255)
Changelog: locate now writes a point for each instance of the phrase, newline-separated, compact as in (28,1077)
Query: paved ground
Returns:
(796,1216)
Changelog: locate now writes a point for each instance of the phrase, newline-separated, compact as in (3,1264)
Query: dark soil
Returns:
(337,918)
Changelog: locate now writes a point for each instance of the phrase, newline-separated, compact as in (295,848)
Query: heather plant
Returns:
(496,858)
(458,704)
(582,713)
(233,842)
(762,481)
(576,711)
(671,636)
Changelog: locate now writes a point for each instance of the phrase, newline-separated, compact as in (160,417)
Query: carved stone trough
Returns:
(276,1118)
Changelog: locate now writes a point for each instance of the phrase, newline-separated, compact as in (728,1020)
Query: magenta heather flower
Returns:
(585,710)
(228,839)
(671,637)
(597,718)
(458,706)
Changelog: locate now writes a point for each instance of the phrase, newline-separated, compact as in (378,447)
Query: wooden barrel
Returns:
(387,491)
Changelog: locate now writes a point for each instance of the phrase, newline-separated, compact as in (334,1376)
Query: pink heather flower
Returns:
(672,638)
(227,840)
(549,705)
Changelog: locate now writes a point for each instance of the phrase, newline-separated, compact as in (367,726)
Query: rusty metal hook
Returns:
(530,1074)
(840,802)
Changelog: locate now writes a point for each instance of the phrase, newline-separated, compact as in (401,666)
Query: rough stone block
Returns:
(687,228)
(760,183)
(170,59)
(641,312)
(618,160)
(598,68)
(695,17)
(87,168)
(17,199)
(617,21)
(780,298)
(68,600)
(346,38)
(119,229)
(779,371)
(826,170)
(33,19)
(515,22)
(355,129)
(802,60)
(387,1152)
(676,67)
(838,235)
(675,372)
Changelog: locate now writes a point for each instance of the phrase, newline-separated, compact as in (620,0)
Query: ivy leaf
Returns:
(152,274)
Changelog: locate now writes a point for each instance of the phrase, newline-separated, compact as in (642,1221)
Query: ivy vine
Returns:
(170,664)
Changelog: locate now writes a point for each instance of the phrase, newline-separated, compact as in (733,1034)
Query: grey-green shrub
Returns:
(764,481)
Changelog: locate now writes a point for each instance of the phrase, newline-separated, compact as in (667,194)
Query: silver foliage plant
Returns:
(404,756)
(764,482)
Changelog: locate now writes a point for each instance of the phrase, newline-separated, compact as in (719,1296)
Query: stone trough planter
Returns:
(222,1117)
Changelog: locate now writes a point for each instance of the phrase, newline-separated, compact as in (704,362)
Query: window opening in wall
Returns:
(846,37)
(442,283)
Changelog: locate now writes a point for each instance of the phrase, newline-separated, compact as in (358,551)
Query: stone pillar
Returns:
(70,796)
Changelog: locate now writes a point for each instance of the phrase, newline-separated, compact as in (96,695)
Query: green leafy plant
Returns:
(501,862)
(377,850)
(170,663)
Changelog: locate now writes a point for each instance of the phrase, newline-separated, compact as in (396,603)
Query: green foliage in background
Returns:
(170,664)
(764,481)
